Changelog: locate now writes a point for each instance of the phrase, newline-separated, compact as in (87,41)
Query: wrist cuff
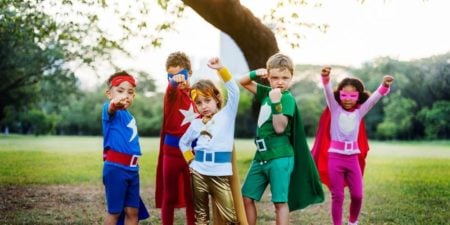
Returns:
(277,108)
(225,74)
(325,79)
(252,75)
(188,156)
(383,90)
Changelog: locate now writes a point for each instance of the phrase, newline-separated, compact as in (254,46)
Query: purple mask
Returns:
(349,95)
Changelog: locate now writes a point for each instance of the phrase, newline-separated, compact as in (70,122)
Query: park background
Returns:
(56,55)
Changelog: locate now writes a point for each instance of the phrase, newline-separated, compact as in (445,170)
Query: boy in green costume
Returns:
(282,159)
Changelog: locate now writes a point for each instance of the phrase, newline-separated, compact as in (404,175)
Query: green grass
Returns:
(405,182)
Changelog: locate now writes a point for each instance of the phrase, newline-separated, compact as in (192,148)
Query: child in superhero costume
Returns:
(345,144)
(213,166)
(173,185)
(121,153)
(282,159)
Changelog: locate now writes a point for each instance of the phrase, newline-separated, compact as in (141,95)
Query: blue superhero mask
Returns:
(185,72)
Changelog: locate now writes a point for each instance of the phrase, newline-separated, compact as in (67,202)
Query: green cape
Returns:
(305,187)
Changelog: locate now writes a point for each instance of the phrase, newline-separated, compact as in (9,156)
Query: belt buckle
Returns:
(134,160)
(208,157)
(261,145)
(348,146)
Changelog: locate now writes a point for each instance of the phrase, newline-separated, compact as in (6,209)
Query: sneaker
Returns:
(355,223)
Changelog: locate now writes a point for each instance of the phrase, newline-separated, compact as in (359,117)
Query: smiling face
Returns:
(124,91)
(349,97)
(280,78)
(206,105)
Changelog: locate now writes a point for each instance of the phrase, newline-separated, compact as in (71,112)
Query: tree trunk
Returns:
(256,41)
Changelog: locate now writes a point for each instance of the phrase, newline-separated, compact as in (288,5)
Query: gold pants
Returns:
(219,189)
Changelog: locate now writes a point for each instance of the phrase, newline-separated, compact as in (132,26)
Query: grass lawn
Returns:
(57,180)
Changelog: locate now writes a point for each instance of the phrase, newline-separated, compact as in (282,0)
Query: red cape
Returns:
(159,184)
(322,143)
(173,101)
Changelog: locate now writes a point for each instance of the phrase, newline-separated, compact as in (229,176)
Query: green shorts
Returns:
(276,172)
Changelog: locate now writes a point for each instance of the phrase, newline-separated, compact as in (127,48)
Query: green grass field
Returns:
(57,180)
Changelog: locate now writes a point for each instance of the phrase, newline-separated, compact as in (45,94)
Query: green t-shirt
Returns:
(265,128)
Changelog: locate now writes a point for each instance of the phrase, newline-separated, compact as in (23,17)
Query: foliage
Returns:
(34,84)
(40,96)
(437,120)
(398,118)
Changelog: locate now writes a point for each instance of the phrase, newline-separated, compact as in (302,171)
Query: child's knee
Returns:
(131,212)
(356,197)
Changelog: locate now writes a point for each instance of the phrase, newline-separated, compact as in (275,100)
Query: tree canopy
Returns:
(41,95)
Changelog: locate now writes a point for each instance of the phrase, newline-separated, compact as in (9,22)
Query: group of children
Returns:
(197,160)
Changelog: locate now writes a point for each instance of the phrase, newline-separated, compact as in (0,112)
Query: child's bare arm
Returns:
(279,120)
(247,80)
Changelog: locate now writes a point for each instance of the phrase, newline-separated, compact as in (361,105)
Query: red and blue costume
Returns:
(173,184)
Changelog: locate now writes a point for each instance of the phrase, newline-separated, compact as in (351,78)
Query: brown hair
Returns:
(355,82)
(179,59)
(208,88)
(281,62)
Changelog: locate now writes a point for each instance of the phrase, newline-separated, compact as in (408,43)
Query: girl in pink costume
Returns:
(348,105)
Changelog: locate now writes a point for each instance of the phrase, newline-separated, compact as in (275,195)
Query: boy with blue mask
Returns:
(173,184)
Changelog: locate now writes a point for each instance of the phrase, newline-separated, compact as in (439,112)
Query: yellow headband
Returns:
(196,92)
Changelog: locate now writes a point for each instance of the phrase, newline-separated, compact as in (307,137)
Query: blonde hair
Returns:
(280,61)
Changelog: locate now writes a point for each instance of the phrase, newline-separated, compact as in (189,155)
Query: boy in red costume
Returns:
(173,185)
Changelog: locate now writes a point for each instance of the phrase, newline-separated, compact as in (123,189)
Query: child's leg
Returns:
(201,196)
(132,199)
(280,177)
(282,213)
(250,210)
(131,216)
(355,185)
(111,219)
(188,195)
(114,179)
(223,198)
(172,168)
(336,174)
(253,188)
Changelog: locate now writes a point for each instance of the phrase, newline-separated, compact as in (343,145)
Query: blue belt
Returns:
(172,140)
(216,157)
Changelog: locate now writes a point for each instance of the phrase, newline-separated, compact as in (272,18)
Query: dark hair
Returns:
(121,73)
(207,87)
(179,59)
(355,82)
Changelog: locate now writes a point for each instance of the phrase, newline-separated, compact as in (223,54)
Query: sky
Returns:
(357,33)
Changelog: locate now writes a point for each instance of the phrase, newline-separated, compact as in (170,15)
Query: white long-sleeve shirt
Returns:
(221,127)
